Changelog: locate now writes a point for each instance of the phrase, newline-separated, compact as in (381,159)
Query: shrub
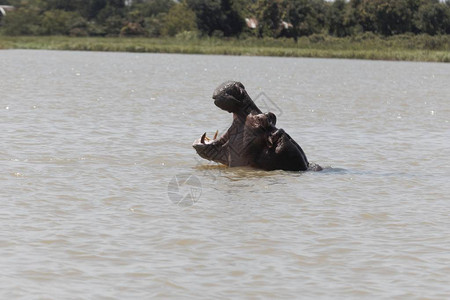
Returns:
(154,25)
(113,25)
(61,22)
(179,18)
(22,21)
(434,18)
(132,29)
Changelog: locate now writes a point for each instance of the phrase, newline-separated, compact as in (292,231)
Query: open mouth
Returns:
(206,140)
(214,148)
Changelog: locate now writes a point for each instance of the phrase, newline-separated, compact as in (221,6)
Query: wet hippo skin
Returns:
(252,139)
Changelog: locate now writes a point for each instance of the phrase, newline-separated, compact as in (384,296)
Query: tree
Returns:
(292,18)
(269,16)
(233,21)
(60,22)
(22,21)
(94,7)
(151,8)
(179,19)
(218,15)
(306,16)
(433,18)
(386,17)
(394,17)
(336,18)
(150,15)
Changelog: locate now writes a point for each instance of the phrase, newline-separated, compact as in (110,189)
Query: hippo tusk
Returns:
(215,135)
(269,142)
(202,139)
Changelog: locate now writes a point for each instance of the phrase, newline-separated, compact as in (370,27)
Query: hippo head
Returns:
(252,139)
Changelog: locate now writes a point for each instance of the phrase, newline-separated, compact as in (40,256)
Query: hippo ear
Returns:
(271,118)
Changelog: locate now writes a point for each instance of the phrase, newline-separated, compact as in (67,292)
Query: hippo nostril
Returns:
(239,84)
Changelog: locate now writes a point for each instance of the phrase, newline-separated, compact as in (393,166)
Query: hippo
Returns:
(252,139)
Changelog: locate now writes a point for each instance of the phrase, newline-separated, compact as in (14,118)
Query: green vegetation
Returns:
(369,29)
(227,18)
(366,46)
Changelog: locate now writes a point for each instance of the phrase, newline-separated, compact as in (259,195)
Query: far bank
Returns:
(366,46)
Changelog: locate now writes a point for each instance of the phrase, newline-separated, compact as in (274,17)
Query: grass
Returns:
(365,46)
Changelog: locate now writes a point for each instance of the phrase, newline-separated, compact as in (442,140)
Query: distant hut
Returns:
(252,23)
(285,25)
(4,9)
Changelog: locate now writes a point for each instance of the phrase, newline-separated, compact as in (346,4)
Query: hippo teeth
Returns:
(206,140)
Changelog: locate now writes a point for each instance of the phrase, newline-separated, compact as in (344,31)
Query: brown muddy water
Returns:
(102,195)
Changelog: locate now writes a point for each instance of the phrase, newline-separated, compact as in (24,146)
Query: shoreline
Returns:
(367,47)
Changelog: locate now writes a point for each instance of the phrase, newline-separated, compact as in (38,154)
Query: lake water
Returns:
(103,196)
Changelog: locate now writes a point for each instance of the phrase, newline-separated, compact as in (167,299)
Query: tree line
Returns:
(225,18)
